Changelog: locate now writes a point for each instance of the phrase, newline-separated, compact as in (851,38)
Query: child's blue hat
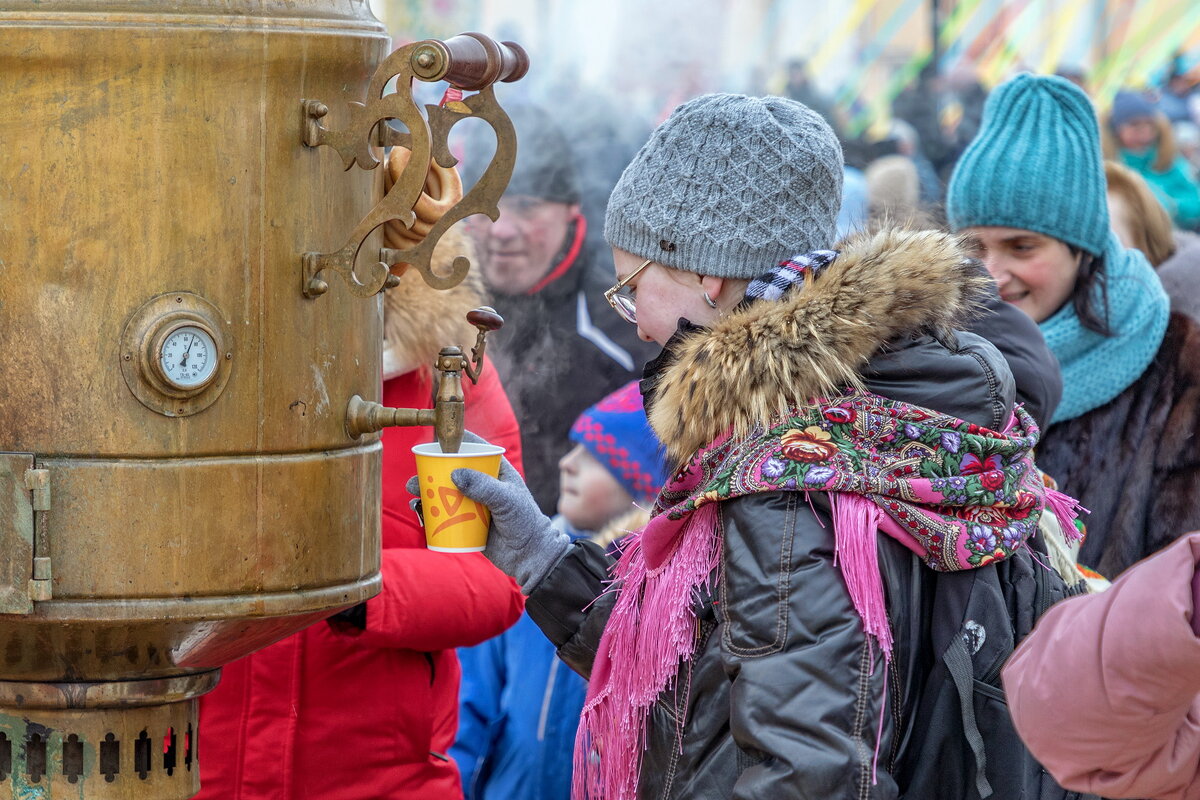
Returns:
(615,431)
(1128,106)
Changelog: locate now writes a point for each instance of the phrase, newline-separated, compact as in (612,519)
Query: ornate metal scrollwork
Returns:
(469,61)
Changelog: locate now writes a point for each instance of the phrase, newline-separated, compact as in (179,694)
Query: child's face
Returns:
(1138,134)
(589,496)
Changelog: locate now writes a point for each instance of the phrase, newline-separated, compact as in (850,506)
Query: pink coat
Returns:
(1106,690)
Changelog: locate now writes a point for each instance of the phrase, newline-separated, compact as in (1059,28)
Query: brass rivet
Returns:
(128,356)
(228,356)
(178,299)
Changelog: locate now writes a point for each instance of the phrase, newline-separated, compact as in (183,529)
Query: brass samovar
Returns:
(190,350)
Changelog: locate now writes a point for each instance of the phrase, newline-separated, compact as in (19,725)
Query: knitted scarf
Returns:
(959,495)
(1097,368)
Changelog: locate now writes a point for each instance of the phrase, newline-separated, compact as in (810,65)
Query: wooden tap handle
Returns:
(485,318)
(473,61)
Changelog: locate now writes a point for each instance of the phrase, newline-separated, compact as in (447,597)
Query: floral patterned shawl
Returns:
(959,495)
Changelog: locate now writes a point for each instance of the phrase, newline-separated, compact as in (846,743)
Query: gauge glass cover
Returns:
(188,357)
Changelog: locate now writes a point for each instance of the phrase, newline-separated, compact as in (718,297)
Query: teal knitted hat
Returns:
(1035,165)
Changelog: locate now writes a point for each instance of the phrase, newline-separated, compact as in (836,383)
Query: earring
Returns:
(711,303)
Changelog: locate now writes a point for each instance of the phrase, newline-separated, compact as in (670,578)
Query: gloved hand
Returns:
(522,541)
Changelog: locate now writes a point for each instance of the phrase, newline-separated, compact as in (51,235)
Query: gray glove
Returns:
(522,541)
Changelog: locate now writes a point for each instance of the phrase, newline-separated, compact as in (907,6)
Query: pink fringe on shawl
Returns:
(856,522)
(651,631)
(1067,509)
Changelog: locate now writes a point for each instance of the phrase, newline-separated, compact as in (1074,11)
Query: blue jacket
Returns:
(519,707)
(518,710)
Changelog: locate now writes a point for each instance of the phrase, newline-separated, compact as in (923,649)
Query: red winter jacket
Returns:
(347,714)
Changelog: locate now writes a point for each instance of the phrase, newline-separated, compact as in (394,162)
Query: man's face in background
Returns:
(518,249)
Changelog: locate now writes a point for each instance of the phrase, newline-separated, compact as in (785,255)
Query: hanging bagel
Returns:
(442,190)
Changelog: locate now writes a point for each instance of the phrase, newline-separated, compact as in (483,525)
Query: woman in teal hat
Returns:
(1029,193)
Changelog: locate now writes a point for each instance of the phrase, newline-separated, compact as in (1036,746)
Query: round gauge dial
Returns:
(188,357)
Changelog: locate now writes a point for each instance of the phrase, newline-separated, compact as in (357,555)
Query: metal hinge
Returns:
(38,482)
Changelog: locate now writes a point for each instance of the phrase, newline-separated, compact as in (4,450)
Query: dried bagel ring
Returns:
(442,190)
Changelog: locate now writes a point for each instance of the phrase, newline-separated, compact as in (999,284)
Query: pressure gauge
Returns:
(176,354)
(187,357)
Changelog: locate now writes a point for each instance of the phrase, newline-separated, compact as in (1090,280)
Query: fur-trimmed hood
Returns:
(418,321)
(760,360)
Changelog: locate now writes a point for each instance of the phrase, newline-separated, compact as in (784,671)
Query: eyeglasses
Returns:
(623,304)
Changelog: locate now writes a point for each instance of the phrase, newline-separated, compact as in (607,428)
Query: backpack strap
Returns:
(958,663)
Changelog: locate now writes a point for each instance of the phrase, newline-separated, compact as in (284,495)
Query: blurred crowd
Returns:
(1101,355)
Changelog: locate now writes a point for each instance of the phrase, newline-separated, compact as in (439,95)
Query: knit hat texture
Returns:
(545,166)
(615,431)
(1035,165)
(730,185)
(893,186)
(1128,106)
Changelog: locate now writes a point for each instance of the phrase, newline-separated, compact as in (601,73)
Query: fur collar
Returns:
(418,321)
(760,360)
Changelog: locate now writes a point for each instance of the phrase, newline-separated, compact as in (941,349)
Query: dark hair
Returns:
(1092,276)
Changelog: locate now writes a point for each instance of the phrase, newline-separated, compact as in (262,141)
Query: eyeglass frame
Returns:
(628,314)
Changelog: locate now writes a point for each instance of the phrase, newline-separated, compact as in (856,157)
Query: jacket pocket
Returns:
(761,569)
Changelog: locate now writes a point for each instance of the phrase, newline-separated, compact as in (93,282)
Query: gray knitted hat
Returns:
(730,185)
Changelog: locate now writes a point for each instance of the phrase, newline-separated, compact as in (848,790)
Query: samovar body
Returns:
(163,513)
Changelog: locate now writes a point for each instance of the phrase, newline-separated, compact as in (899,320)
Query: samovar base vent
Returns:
(113,740)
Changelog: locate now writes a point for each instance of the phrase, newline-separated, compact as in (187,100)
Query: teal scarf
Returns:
(1096,368)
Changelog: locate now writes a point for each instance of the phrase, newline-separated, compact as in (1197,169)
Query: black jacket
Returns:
(560,351)
(785,697)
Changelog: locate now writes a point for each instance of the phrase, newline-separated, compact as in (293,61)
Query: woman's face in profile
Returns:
(662,295)
(1034,272)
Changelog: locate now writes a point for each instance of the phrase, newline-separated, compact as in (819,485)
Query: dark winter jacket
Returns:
(561,350)
(783,697)
(1134,462)
(1019,340)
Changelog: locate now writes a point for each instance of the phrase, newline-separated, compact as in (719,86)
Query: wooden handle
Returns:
(477,61)
(485,318)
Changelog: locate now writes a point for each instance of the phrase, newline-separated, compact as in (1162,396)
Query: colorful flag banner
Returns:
(955,43)
(951,29)
(1017,40)
(1061,28)
(887,32)
(833,43)
(1159,54)
(996,38)
(1145,26)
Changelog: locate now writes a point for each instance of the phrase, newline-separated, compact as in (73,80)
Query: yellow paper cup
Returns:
(454,523)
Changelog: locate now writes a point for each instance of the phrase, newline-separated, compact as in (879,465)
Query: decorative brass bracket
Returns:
(469,61)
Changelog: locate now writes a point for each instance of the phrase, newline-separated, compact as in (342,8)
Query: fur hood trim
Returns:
(418,321)
(757,362)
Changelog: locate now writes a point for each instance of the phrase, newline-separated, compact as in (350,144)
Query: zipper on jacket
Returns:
(541,730)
